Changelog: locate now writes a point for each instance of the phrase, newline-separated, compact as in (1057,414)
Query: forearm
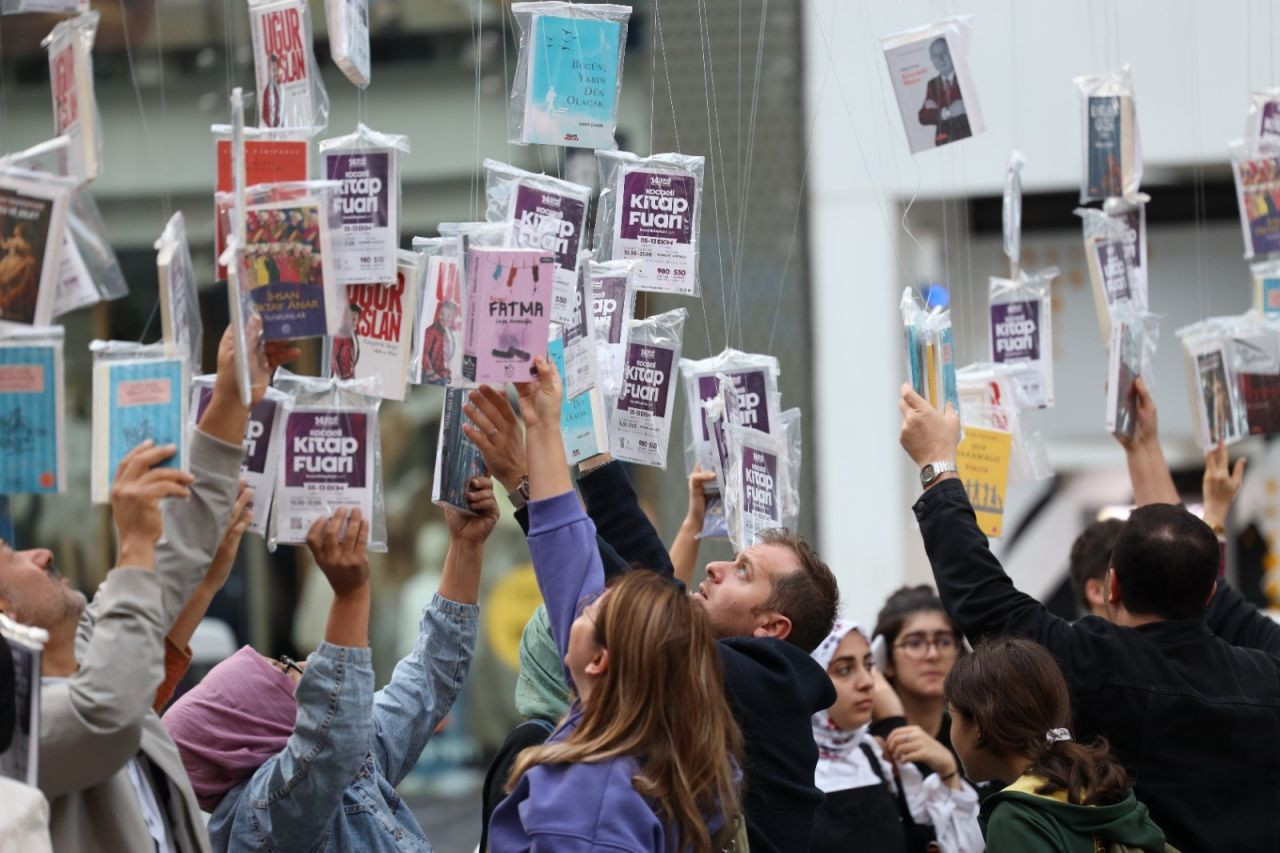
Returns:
(192,614)
(684,551)
(348,624)
(460,581)
(548,469)
(614,507)
(1149,474)
(226,417)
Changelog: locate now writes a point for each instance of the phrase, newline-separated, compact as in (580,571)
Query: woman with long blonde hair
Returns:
(645,758)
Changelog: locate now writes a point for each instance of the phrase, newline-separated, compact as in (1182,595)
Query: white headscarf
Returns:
(842,763)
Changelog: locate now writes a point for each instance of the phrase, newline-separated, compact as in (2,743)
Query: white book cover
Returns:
(380,330)
(936,95)
(349,38)
(75,107)
(179,300)
(281,33)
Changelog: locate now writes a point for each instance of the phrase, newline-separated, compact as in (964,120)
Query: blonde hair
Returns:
(661,701)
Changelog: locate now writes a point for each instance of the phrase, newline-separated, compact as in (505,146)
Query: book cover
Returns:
(1110,275)
(752,393)
(32,443)
(579,338)
(328,465)
(458,460)
(582,416)
(136,400)
(286,258)
(263,440)
(1105,146)
(281,37)
(508,313)
(1021,337)
(381,326)
(1267,290)
(1219,419)
(640,427)
(1260,396)
(266,161)
(757,477)
(367,233)
(1123,368)
(75,109)
(33,218)
(76,288)
(20,761)
(179,300)
(611,309)
(439,333)
(553,222)
(982,460)
(348,22)
(572,94)
(654,223)
(936,97)
(1258,193)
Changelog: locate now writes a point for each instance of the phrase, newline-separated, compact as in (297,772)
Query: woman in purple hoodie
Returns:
(644,761)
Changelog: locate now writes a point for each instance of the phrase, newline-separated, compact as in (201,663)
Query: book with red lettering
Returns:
(75,107)
(508,312)
(380,328)
(140,392)
(290,92)
(274,159)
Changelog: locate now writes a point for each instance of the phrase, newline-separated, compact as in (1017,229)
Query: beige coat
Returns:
(93,723)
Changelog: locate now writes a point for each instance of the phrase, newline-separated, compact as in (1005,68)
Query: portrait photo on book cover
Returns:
(934,92)
(440,339)
(24,230)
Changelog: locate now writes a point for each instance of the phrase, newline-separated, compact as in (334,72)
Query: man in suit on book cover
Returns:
(271,95)
(943,104)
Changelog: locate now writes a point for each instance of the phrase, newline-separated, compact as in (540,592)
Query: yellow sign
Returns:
(507,608)
(983,463)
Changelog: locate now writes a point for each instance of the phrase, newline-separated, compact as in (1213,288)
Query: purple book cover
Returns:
(257,433)
(1115,277)
(1015,331)
(508,313)
(751,394)
(531,208)
(654,224)
(759,493)
(365,251)
(608,298)
(647,380)
(324,450)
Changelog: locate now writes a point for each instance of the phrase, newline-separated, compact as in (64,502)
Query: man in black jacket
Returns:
(1197,718)
(770,607)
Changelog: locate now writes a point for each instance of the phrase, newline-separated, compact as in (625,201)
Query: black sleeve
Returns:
(613,564)
(614,507)
(982,599)
(1236,620)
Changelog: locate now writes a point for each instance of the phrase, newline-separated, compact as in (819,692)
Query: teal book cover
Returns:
(573,82)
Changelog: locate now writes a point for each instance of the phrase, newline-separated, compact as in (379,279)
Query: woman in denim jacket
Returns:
(307,758)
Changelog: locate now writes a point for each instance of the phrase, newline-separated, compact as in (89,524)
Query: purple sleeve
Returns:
(562,542)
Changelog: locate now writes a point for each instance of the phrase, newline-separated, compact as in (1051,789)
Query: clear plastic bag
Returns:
(286,273)
(377,337)
(583,417)
(1107,254)
(568,75)
(1266,287)
(579,336)
(140,392)
(21,760)
(263,445)
(508,311)
(545,213)
(437,346)
(791,421)
(757,484)
(179,300)
(1131,217)
(1233,377)
(291,92)
(75,106)
(33,232)
(1011,209)
(90,271)
(1112,148)
(937,97)
(366,164)
(649,211)
(640,416)
(61,7)
(613,296)
(458,460)
(1021,333)
(1131,354)
(1257,178)
(930,351)
(348,25)
(755,380)
(33,410)
(1262,127)
(332,457)
(988,400)
(231,259)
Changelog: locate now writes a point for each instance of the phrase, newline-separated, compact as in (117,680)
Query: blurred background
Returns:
(815,217)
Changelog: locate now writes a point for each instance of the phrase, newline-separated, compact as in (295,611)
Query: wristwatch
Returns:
(520,496)
(930,473)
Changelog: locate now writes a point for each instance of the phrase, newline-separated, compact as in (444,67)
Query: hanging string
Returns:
(162,193)
(666,69)
(1198,168)
(503,17)
(1013,69)
(477,20)
(717,194)
(751,146)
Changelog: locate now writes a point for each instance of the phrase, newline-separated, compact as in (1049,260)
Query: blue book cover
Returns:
(577,415)
(31,445)
(136,401)
(573,81)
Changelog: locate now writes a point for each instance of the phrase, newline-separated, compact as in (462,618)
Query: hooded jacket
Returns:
(1018,820)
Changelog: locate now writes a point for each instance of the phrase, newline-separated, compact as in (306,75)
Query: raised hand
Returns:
(495,430)
(698,482)
(474,529)
(1147,423)
(263,360)
(135,501)
(927,434)
(338,545)
(540,399)
(1221,484)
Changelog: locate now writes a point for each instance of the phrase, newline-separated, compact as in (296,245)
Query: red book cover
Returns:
(266,161)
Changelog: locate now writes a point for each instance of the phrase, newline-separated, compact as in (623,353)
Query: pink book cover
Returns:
(508,313)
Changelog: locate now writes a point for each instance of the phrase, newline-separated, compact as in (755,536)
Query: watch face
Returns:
(927,474)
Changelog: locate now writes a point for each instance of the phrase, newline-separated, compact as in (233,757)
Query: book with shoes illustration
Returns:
(508,306)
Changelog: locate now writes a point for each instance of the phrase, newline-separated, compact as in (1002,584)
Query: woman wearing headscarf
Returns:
(874,802)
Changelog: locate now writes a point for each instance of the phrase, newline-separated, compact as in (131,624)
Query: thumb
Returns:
(912,399)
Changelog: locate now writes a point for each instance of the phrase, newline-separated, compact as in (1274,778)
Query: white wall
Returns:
(1191,67)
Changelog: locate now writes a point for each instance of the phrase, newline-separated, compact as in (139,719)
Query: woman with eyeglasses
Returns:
(306,756)
(874,803)
(645,758)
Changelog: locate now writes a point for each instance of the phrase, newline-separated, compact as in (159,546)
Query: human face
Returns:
(923,654)
(734,593)
(587,658)
(979,764)
(850,671)
(941,56)
(34,592)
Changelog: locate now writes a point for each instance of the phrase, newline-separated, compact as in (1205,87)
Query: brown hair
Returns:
(1014,692)
(809,596)
(661,701)
(1091,555)
(904,603)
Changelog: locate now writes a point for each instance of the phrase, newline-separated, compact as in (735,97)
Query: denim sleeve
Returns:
(424,686)
(293,796)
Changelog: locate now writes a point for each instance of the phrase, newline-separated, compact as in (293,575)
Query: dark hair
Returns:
(1166,561)
(1091,555)
(904,603)
(1012,690)
(809,596)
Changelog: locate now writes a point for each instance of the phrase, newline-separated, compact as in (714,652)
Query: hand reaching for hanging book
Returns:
(540,400)
(495,430)
(927,434)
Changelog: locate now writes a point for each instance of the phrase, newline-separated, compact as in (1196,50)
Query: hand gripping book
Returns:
(508,312)
(458,460)
(1130,352)
(33,448)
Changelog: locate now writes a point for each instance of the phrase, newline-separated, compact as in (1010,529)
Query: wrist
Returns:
(358,594)
(466,547)
(137,555)
(510,480)
(693,522)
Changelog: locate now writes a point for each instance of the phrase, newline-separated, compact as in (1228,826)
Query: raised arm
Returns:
(972,584)
(614,506)
(427,680)
(294,794)
(91,723)
(1148,471)
(684,550)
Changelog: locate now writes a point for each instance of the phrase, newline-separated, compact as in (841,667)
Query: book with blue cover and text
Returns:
(136,399)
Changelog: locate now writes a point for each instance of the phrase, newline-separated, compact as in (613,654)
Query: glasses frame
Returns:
(929,642)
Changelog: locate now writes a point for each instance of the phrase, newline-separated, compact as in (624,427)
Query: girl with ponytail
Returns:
(1011,720)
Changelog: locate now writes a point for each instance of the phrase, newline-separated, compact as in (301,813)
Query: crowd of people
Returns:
(664,710)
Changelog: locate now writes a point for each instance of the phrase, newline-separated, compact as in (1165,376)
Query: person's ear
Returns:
(1113,588)
(1095,591)
(1213,590)
(772,624)
(599,664)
